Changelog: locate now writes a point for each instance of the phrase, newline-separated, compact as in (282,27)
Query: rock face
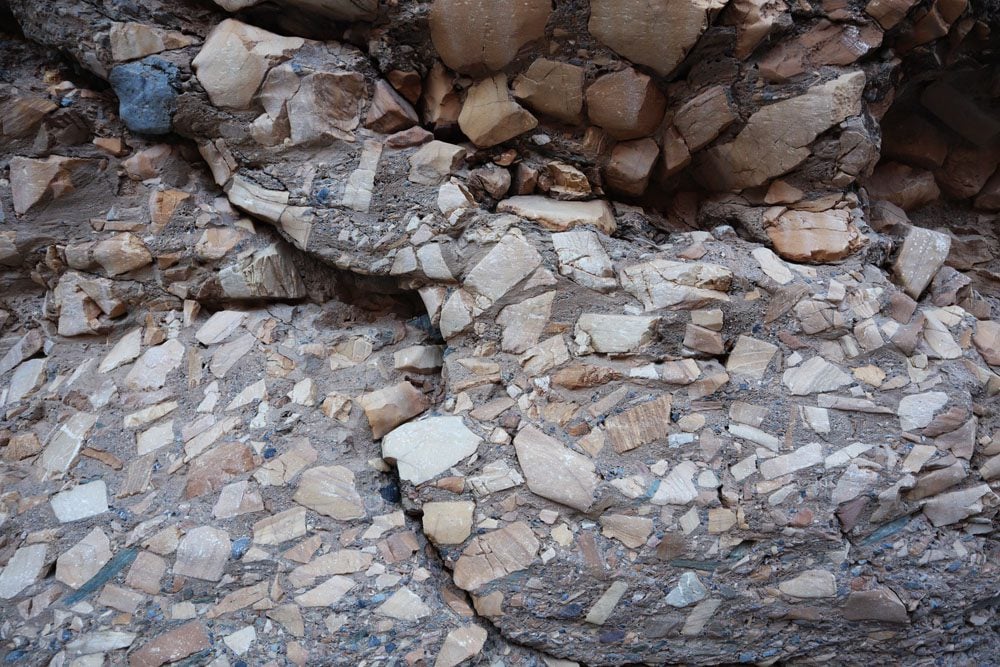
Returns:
(520,333)
(476,36)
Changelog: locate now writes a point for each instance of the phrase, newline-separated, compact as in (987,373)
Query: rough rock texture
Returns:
(501,333)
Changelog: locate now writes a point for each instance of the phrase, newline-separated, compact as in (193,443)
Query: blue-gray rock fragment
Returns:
(147,94)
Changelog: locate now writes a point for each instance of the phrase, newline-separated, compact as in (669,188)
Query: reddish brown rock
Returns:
(806,236)
(389,112)
(631,165)
(480,36)
(904,186)
(171,646)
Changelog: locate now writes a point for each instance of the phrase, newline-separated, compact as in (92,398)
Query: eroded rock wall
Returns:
(513,333)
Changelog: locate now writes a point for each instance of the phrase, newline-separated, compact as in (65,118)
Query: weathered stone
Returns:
(917,410)
(404,605)
(236,56)
(330,490)
(652,34)
(501,29)
(810,584)
(814,376)
(750,358)
(494,555)
(615,334)
(640,425)
(662,283)
(632,531)
(584,260)
(704,117)
(554,471)
(552,88)
(905,186)
(460,645)
(688,591)
(824,236)
(424,449)
(172,646)
(561,215)
(923,253)
(79,563)
(776,138)
(389,112)
(33,182)
(388,408)
(203,554)
(626,104)
(630,166)
(21,570)
(881,604)
(803,457)
(448,522)
(490,116)
(81,502)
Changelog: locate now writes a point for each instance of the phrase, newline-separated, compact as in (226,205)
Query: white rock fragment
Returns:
(554,471)
(917,410)
(814,376)
(424,449)
(803,457)
(81,502)
(810,584)
(22,570)
(688,591)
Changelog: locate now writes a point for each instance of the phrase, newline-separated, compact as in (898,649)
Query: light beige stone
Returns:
(448,522)
(554,471)
(424,449)
(561,215)
(552,88)
(477,36)
(330,490)
(496,554)
(490,116)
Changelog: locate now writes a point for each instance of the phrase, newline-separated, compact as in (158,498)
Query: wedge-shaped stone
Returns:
(490,116)
(424,449)
(664,283)
(750,358)
(640,425)
(342,561)
(810,584)
(554,471)
(881,604)
(79,563)
(153,367)
(236,56)
(552,88)
(803,457)
(814,236)
(924,252)
(404,605)
(65,442)
(949,508)
(507,263)
(917,410)
(625,104)
(280,527)
(814,376)
(561,215)
(388,408)
(330,491)
(203,554)
(615,334)
(632,531)
(22,570)
(326,594)
(448,522)
(496,554)
(124,351)
(460,645)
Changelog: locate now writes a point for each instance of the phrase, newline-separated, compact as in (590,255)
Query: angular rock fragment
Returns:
(625,104)
(615,334)
(500,31)
(489,115)
(640,425)
(662,283)
(554,471)
(388,408)
(21,570)
(814,376)
(330,490)
(923,253)
(561,215)
(495,554)
(448,522)
(424,449)
(552,88)
(750,358)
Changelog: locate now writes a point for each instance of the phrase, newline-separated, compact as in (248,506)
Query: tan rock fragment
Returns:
(477,36)
(460,645)
(923,253)
(750,357)
(388,408)
(810,584)
(561,215)
(330,490)
(508,263)
(663,283)
(389,112)
(640,425)
(814,376)
(172,646)
(881,604)
(658,35)
(203,554)
(79,563)
(495,554)
(122,253)
(131,41)
(326,594)
(280,527)
(34,181)
(552,88)
(448,522)
(236,56)
(626,104)
(987,341)
(404,605)
(524,322)
(554,471)
(807,236)
(701,119)
(632,531)
(905,186)
(631,165)
(490,116)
